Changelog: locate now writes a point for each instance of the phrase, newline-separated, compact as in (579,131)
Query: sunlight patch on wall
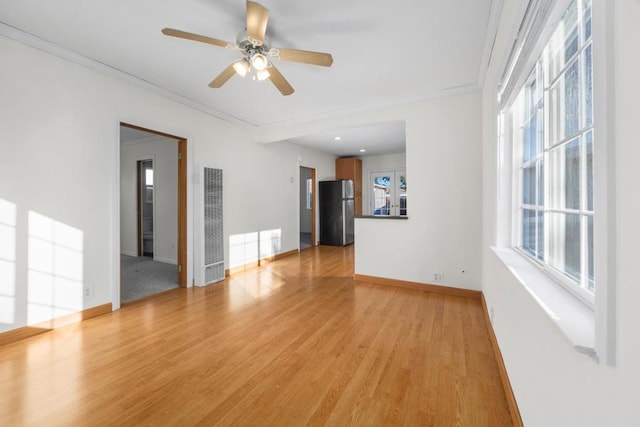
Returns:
(7,262)
(55,276)
(247,248)
(270,243)
(243,249)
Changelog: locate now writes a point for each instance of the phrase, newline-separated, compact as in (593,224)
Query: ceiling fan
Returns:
(256,52)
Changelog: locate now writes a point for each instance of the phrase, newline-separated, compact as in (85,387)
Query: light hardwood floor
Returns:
(294,342)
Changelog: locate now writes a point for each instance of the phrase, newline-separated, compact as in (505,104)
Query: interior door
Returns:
(388,193)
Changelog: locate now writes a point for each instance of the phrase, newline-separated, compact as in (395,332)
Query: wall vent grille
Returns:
(213,231)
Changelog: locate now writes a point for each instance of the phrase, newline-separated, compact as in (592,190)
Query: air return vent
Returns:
(213,232)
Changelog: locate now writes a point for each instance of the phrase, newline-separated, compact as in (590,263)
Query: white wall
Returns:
(385,162)
(444,170)
(164,152)
(555,385)
(59,158)
(443,232)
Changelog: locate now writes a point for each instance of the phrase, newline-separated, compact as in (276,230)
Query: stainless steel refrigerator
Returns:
(336,212)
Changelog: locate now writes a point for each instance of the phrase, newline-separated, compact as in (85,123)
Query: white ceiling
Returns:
(385,52)
(375,139)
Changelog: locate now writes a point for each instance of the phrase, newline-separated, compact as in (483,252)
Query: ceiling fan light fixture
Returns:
(259,62)
(241,67)
(263,74)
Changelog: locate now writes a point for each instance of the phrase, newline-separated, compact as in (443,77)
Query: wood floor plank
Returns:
(294,342)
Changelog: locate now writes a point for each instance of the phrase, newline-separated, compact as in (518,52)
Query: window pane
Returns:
(148,177)
(564,43)
(571,101)
(572,174)
(309,193)
(403,195)
(590,282)
(540,127)
(382,195)
(565,173)
(589,153)
(529,231)
(570,23)
(565,104)
(564,246)
(540,222)
(529,185)
(586,8)
(540,182)
(588,86)
(529,151)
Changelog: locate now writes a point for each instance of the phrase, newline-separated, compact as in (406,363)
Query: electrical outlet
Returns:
(87,292)
(437,277)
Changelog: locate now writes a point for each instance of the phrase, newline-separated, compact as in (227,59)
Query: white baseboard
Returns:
(166,260)
(130,253)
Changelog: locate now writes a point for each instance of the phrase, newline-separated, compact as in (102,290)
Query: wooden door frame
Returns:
(182,199)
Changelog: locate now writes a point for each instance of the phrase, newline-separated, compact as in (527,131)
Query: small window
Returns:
(309,193)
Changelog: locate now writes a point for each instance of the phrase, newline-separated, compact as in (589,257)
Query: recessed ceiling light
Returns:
(362,150)
(337,138)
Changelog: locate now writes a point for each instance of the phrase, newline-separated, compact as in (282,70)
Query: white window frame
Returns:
(544,84)
(602,304)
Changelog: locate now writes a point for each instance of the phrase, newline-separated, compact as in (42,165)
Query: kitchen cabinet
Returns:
(351,168)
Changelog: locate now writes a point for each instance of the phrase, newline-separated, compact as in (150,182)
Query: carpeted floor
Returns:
(142,276)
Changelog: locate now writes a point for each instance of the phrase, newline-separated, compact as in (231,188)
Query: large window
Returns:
(554,147)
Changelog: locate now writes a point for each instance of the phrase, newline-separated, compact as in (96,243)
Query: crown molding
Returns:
(34,41)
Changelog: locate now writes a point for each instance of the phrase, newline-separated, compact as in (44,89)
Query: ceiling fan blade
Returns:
(279,81)
(196,37)
(223,77)
(307,57)
(257,18)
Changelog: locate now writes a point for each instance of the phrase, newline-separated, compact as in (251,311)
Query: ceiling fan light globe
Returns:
(241,67)
(263,74)
(259,62)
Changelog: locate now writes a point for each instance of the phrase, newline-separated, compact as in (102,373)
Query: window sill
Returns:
(574,319)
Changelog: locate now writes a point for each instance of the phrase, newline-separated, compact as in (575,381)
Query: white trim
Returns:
(490,39)
(602,26)
(115,222)
(129,253)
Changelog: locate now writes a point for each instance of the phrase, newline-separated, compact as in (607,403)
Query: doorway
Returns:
(389,193)
(152,212)
(307,207)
